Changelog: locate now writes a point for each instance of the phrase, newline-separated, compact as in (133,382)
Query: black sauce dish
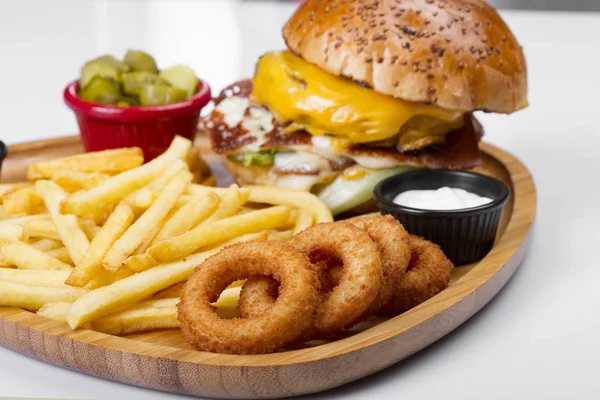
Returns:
(465,235)
(3,153)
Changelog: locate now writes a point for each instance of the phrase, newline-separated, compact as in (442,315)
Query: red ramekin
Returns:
(151,128)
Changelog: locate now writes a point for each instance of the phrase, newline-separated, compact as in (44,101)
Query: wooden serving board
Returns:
(162,360)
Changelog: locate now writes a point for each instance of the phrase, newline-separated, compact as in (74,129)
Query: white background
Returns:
(538,339)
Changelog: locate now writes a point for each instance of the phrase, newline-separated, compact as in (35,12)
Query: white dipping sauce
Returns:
(445,198)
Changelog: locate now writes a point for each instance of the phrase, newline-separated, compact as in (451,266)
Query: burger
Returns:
(367,89)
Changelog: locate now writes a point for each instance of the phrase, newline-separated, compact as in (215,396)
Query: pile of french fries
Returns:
(104,242)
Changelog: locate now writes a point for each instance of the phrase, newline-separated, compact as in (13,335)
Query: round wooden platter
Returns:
(162,360)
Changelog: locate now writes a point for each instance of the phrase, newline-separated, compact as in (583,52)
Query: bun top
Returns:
(455,54)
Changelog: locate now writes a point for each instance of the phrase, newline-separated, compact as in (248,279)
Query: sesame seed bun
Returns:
(455,54)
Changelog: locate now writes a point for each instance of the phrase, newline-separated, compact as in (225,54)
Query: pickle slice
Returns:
(134,81)
(152,95)
(113,62)
(128,101)
(92,69)
(101,90)
(181,77)
(140,61)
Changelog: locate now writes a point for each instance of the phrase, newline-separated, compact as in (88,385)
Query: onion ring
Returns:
(428,274)
(392,241)
(290,315)
(358,286)
(258,295)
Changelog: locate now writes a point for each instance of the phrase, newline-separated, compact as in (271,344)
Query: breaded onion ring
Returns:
(428,274)
(289,316)
(257,296)
(358,286)
(392,241)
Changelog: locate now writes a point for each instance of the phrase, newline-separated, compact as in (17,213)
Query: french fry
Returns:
(146,316)
(143,316)
(12,232)
(140,262)
(145,261)
(26,218)
(227,305)
(202,190)
(172,291)
(21,200)
(67,226)
(304,219)
(91,263)
(61,254)
(231,201)
(30,297)
(56,311)
(41,228)
(146,243)
(109,162)
(280,235)
(150,315)
(46,245)
(6,187)
(25,256)
(35,277)
(89,228)
(72,181)
(294,198)
(142,199)
(106,278)
(137,320)
(219,231)
(157,303)
(136,234)
(161,182)
(124,292)
(116,188)
(188,216)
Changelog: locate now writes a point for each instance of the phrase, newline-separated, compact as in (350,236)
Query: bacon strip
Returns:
(460,151)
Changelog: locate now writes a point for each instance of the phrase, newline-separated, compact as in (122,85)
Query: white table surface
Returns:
(538,339)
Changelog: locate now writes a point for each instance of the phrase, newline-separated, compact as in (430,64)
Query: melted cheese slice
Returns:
(309,98)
